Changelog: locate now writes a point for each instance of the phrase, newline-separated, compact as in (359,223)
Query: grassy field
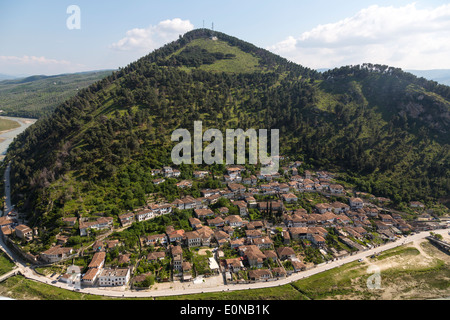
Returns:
(6,124)
(409,272)
(6,265)
(285,292)
(242,62)
(406,273)
(20,288)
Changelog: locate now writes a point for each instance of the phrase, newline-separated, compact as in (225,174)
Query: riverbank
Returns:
(11,127)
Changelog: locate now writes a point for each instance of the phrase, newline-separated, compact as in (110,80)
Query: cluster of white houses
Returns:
(240,193)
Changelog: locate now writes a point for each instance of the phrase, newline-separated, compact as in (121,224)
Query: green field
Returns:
(241,63)
(20,288)
(6,124)
(6,265)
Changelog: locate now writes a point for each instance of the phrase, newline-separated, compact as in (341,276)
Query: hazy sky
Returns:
(36,39)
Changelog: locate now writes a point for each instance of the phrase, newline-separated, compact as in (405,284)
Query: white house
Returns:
(356,203)
(336,189)
(114,277)
(91,276)
(100,224)
(144,215)
(56,254)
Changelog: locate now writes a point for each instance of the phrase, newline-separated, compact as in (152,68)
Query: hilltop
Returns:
(387,130)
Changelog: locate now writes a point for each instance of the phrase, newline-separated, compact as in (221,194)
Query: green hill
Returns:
(38,96)
(387,130)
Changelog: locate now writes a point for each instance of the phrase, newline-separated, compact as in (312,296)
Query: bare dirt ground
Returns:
(203,252)
(200,282)
(27,121)
(421,274)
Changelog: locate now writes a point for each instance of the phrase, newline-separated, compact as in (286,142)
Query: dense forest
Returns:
(387,131)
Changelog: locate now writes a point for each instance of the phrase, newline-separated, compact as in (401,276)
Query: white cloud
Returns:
(32,60)
(37,65)
(405,37)
(153,37)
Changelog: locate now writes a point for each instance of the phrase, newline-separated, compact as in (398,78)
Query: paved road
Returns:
(9,274)
(121,292)
(8,205)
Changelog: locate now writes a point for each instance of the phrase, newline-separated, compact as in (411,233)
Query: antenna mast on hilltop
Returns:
(213,37)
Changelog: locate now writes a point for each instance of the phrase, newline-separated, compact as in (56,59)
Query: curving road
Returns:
(122,292)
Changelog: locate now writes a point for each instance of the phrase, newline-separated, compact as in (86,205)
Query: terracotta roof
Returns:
(90,274)
(176,250)
(233,218)
(270,254)
(156,255)
(285,251)
(203,212)
(5,221)
(97,260)
(57,250)
(219,235)
(23,228)
(119,272)
(256,274)
(192,235)
(298,230)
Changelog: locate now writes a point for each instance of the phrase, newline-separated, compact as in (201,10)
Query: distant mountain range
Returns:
(439,75)
(6,77)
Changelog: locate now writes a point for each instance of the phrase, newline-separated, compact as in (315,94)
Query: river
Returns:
(7,136)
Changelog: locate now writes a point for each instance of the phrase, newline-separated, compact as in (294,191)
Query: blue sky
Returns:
(34,38)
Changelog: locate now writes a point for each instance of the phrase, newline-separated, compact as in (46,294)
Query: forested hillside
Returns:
(38,96)
(387,130)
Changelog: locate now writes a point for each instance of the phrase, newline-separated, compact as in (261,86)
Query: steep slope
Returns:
(382,126)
